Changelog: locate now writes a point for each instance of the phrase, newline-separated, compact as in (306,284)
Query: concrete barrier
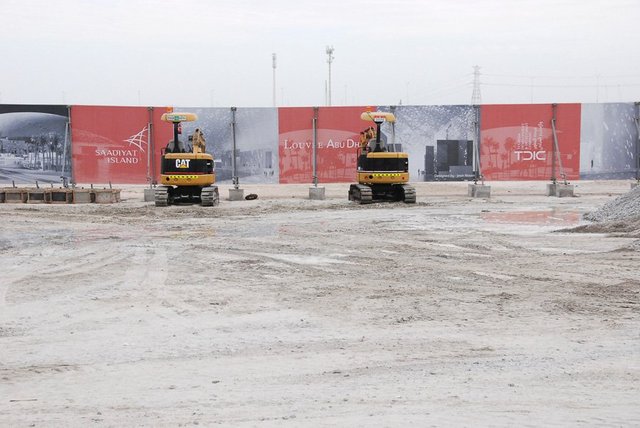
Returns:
(316,193)
(104,196)
(149,194)
(236,194)
(58,196)
(35,196)
(83,196)
(479,191)
(15,196)
(560,190)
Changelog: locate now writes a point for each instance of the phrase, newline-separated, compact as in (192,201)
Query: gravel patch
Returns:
(624,207)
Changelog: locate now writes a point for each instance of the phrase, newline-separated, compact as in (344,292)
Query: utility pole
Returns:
(329,61)
(273,64)
(475,96)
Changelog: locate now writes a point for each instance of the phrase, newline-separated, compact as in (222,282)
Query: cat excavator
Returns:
(186,175)
(382,174)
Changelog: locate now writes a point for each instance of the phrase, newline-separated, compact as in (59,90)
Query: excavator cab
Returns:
(382,175)
(186,175)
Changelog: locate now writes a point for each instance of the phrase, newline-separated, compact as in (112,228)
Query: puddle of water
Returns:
(551,217)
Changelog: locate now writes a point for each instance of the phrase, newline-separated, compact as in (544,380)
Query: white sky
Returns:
(218,52)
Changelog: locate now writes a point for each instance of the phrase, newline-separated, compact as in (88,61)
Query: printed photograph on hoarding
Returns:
(34,144)
(438,139)
(256,138)
(609,141)
(517,142)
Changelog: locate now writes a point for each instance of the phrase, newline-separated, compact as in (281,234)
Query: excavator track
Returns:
(161,196)
(409,194)
(361,194)
(210,196)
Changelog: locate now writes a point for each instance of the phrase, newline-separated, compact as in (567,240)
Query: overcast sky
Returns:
(219,52)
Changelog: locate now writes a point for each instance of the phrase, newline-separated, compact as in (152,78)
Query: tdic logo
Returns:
(531,155)
(182,163)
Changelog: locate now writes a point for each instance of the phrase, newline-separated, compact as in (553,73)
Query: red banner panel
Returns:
(113,144)
(517,141)
(338,139)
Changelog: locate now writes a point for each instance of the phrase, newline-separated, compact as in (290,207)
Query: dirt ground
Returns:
(284,311)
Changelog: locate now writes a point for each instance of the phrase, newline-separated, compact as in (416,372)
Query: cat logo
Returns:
(182,163)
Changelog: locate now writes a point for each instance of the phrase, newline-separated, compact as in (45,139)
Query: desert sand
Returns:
(284,311)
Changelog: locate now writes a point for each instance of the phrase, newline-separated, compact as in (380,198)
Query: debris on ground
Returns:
(624,207)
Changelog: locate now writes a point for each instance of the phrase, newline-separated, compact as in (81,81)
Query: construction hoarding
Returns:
(256,138)
(122,145)
(338,136)
(117,144)
(438,139)
(517,142)
(609,141)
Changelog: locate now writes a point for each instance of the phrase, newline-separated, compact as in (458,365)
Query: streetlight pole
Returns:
(329,61)
(273,64)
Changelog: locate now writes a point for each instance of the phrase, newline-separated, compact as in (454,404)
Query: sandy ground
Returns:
(284,311)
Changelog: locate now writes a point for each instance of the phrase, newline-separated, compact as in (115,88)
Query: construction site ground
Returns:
(285,311)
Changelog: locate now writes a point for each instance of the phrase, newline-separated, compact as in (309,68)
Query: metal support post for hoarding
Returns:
(149,152)
(315,146)
(149,193)
(637,120)
(152,150)
(554,179)
(70,136)
(393,129)
(556,149)
(554,188)
(476,190)
(477,173)
(233,155)
(315,192)
(235,194)
(64,149)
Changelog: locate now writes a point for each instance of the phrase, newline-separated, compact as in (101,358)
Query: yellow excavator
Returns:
(382,174)
(186,175)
